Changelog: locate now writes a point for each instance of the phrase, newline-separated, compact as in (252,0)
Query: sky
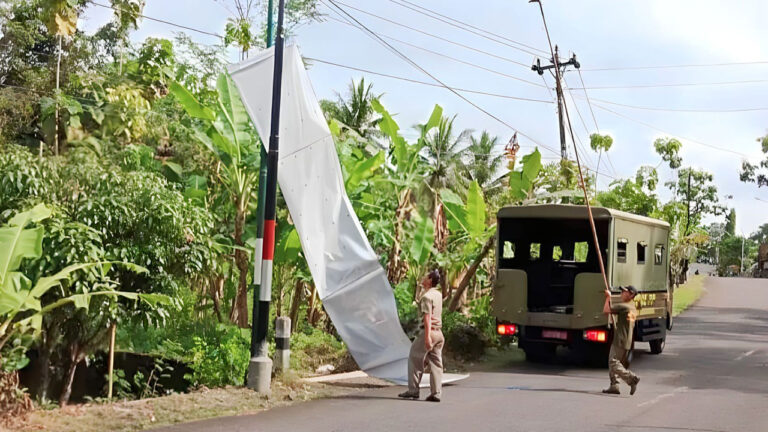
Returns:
(603,34)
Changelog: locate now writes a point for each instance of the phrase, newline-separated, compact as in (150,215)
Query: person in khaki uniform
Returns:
(428,345)
(618,362)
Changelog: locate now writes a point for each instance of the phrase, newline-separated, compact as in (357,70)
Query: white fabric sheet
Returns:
(350,281)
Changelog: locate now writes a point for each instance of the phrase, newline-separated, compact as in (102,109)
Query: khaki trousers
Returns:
(419,357)
(618,366)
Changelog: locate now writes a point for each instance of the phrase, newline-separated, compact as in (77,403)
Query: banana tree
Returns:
(19,298)
(467,223)
(226,131)
(408,170)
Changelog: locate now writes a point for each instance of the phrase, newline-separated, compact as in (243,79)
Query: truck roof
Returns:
(570,211)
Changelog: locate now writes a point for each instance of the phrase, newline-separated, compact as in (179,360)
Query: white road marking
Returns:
(663,396)
(745,355)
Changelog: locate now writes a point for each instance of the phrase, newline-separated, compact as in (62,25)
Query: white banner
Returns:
(349,279)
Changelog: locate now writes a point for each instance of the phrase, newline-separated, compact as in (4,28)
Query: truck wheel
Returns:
(539,352)
(657,345)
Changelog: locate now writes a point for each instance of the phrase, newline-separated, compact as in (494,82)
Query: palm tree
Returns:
(482,166)
(355,111)
(443,151)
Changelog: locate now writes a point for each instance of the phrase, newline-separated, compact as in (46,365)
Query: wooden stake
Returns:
(112,329)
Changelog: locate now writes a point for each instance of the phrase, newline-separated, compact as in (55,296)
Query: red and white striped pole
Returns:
(260,368)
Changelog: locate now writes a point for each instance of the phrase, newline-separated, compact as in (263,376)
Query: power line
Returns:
(474,65)
(416,65)
(648,125)
(594,118)
(588,103)
(159,20)
(642,86)
(620,68)
(685,110)
(453,22)
(424,82)
(507,59)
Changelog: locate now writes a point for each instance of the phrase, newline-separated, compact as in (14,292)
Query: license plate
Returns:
(554,334)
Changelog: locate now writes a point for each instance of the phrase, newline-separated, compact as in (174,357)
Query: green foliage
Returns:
(522,181)
(220,360)
(406,307)
(61,16)
(311,348)
(633,195)
(697,191)
(355,113)
(757,173)
(669,150)
(19,295)
(424,236)
(730,223)
(600,143)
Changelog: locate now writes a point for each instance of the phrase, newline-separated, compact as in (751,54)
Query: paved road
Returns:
(713,376)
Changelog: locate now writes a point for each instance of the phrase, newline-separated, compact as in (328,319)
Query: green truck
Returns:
(549,291)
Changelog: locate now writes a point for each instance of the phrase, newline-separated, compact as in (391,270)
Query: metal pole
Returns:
(742,255)
(260,368)
(559,89)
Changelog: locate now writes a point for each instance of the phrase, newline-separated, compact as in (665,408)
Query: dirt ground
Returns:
(138,415)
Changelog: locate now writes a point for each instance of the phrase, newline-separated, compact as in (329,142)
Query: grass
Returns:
(687,294)
(129,416)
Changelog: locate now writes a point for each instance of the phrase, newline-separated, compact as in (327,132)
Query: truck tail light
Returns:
(506,329)
(595,335)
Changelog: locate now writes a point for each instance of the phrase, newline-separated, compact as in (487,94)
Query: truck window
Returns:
(641,247)
(658,254)
(509,250)
(621,250)
(580,252)
(557,253)
(535,251)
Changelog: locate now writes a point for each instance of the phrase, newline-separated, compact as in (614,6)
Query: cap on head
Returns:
(630,289)
(434,277)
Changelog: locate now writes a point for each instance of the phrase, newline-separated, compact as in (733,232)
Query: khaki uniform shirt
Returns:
(626,314)
(432,303)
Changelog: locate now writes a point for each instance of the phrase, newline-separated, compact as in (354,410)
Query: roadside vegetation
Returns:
(131,168)
(687,294)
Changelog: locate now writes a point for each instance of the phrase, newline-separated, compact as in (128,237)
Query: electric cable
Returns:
(313,59)
(453,22)
(507,59)
(474,65)
(417,66)
(621,68)
(650,126)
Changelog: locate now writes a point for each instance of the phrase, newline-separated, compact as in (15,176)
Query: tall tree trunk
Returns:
(466,276)
(441,225)
(45,367)
(312,306)
(298,295)
(56,116)
(217,288)
(75,358)
(239,314)
(396,267)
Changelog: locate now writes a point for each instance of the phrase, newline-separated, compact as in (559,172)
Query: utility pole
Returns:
(559,69)
(260,368)
(741,273)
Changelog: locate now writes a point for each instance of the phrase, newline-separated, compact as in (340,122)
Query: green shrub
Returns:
(406,308)
(311,348)
(221,360)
